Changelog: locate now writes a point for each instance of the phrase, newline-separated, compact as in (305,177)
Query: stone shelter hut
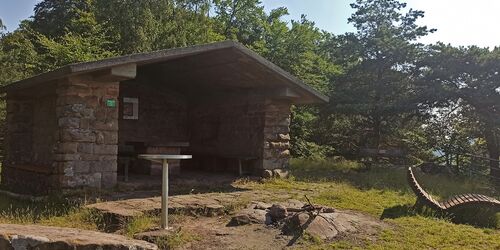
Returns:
(220,102)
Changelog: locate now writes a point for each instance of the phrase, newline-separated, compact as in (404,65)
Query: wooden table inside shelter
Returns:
(164,186)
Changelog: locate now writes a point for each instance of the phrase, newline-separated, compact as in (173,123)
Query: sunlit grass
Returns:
(430,233)
(140,224)
(381,192)
(384,193)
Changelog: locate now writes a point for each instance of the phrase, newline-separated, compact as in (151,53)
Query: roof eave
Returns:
(157,56)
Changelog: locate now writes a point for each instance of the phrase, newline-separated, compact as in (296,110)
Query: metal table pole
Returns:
(164,195)
(164,184)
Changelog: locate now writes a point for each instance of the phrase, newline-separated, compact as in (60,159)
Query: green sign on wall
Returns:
(111,103)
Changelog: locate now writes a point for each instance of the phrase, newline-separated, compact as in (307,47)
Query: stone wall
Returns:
(162,120)
(29,140)
(245,125)
(162,114)
(66,136)
(276,151)
(87,140)
(227,125)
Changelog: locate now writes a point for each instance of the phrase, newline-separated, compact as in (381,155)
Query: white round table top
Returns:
(164,157)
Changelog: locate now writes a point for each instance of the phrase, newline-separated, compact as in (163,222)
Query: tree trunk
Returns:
(493,151)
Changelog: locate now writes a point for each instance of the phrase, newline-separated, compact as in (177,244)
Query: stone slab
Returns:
(207,204)
(42,237)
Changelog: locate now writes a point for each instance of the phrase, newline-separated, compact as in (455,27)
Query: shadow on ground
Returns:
(190,182)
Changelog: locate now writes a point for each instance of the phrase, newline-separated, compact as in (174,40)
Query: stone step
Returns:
(42,237)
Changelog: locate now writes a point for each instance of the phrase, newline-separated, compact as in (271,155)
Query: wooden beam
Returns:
(287,93)
(116,74)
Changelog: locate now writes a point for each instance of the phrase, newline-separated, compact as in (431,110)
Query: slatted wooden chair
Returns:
(455,202)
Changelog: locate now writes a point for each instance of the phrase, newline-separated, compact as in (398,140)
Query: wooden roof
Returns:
(225,63)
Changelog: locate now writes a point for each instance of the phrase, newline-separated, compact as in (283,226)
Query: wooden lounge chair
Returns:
(457,201)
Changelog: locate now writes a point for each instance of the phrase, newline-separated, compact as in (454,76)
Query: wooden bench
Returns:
(457,201)
(240,159)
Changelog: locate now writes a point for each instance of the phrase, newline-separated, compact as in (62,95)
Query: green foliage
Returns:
(240,20)
(375,101)
(72,48)
(386,89)
(140,26)
(19,57)
(301,51)
(54,18)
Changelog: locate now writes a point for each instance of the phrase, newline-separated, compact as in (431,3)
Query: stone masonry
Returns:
(276,153)
(29,141)
(246,125)
(87,145)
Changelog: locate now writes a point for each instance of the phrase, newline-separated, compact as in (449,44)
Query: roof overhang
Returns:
(280,82)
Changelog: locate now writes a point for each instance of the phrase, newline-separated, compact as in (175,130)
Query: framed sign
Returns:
(130,108)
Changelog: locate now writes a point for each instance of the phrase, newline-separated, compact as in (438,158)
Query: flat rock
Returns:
(206,204)
(152,236)
(17,237)
(327,226)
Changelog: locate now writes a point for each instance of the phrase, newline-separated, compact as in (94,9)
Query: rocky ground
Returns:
(243,220)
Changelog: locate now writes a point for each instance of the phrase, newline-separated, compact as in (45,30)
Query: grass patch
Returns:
(77,218)
(176,239)
(431,233)
(140,224)
(384,193)
(56,211)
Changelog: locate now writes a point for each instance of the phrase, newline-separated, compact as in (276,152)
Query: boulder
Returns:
(322,227)
(267,174)
(43,238)
(250,216)
(281,173)
(278,212)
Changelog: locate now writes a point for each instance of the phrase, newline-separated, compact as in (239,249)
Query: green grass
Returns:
(56,211)
(384,193)
(381,192)
(139,224)
(176,239)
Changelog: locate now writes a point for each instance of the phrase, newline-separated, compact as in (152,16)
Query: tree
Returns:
(54,18)
(85,41)
(2,27)
(45,43)
(468,76)
(139,26)
(19,58)
(299,50)
(241,20)
(376,98)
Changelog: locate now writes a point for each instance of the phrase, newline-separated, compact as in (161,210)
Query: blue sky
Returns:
(459,22)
